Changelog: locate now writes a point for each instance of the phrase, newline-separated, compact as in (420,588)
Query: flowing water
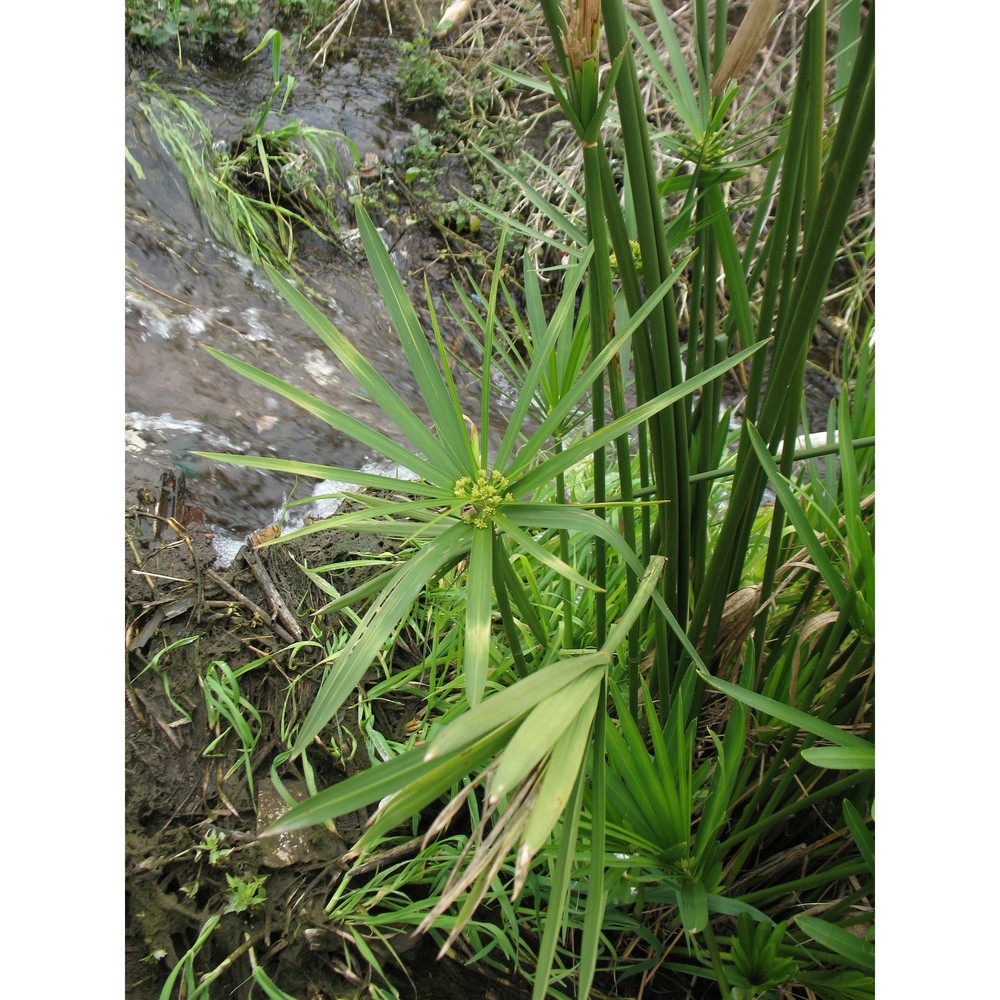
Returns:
(184,289)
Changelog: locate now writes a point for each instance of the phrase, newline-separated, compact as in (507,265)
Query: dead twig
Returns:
(240,598)
(274,600)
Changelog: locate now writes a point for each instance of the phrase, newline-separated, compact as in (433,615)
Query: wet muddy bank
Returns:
(202,610)
(197,795)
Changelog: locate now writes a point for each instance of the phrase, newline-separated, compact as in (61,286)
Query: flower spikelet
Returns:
(484,494)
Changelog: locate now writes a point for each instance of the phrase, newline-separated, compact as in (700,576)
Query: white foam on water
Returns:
(138,423)
(226,547)
(258,328)
(328,496)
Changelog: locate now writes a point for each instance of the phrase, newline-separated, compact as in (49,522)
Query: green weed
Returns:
(225,702)
(158,22)
(423,76)
(245,894)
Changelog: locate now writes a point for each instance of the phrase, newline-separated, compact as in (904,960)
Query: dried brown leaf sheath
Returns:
(747,43)
(581,35)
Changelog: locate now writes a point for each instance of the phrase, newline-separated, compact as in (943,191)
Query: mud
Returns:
(192,821)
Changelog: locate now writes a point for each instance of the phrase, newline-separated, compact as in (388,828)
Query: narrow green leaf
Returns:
(441,776)
(573,386)
(576,235)
(852,949)
(378,624)
(546,472)
(729,757)
(540,730)
(542,352)
(185,962)
(644,800)
(422,363)
(564,101)
(806,534)
(426,520)
(863,837)
(848,37)
(734,907)
(692,901)
(527,544)
(356,792)
(787,714)
(512,702)
(594,130)
(561,775)
(725,235)
(677,86)
(335,473)
(558,892)
(597,894)
(637,605)
(489,352)
(349,426)
(842,758)
(367,376)
(273,992)
(502,219)
(563,517)
(478,614)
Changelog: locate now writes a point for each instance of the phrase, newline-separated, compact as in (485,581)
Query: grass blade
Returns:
(344,423)
(378,624)
(581,449)
(366,375)
(806,534)
(478,614)
(841,758)
(787,714)
(863,837)
(541,729)
(512,702)
(853,950)
(422,364)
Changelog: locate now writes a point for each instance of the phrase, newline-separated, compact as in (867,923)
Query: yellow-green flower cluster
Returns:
(484,495)
(636,259)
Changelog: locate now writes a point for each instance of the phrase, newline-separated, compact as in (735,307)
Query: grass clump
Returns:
(254,191)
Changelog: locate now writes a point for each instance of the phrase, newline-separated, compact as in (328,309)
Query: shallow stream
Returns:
(184,289)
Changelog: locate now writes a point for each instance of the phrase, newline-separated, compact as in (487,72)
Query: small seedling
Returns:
(212,844)
(245,894)
(225,702)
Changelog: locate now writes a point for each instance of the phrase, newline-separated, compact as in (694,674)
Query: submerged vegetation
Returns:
(254,190)
(639,622)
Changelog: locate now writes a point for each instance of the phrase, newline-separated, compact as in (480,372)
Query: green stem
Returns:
(716,957)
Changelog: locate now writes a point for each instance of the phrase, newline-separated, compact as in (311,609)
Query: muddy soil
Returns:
(191,818)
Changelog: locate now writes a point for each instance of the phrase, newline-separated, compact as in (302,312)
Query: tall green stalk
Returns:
(657,353)
(800,302)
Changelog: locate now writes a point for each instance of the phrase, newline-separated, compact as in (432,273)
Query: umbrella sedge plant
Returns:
(482,511)
(694,690)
